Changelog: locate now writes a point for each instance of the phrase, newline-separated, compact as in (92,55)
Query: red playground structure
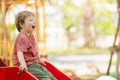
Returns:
(12,73)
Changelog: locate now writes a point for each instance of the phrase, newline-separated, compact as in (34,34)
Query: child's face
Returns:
(29,24)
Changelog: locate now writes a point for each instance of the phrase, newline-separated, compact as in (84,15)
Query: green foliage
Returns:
(105,22)
(70,12)
(104,18)
(11,27)
(75,50)
(68,22)
(103,1)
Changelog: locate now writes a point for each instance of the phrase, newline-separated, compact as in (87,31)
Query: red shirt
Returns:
(28,46)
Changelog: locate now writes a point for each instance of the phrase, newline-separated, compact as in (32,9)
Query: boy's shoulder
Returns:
(21,36)
(24,37)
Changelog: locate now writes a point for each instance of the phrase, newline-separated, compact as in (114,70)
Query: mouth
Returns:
(33,27)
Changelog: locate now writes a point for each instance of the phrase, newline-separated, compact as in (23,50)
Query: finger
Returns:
(21,69)
(25,68)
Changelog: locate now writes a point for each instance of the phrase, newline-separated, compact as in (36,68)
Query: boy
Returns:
(25,53)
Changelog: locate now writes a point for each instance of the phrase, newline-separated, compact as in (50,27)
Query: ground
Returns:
(83,65)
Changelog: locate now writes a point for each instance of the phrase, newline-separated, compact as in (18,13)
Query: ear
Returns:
(21,25)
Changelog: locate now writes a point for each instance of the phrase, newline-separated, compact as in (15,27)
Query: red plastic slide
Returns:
(56,72)
(12,73)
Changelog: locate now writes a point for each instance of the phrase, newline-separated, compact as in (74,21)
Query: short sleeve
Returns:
(22,45)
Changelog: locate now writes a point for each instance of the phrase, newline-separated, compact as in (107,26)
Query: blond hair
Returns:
(20,18)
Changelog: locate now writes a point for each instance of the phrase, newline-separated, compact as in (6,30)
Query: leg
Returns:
(36,71)
(47,72)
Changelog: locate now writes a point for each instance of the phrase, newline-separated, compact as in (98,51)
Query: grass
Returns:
(75,50)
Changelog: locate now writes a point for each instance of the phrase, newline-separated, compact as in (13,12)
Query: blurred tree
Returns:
(105,17)
(100,13)
(70,12)
(88,24)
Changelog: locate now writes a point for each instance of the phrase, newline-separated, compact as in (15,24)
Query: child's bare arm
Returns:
(22,61)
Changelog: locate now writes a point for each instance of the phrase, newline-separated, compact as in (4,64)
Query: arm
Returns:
(22,61)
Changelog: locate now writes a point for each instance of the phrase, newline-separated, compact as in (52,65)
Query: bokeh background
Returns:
(74,35)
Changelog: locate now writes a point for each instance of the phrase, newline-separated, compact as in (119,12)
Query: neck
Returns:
(27,34)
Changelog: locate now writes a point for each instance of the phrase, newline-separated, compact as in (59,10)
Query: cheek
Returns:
(29,24)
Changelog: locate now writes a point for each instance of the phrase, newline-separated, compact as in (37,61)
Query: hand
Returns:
(22,68)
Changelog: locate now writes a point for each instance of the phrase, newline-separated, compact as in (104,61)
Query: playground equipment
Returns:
(12,73)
